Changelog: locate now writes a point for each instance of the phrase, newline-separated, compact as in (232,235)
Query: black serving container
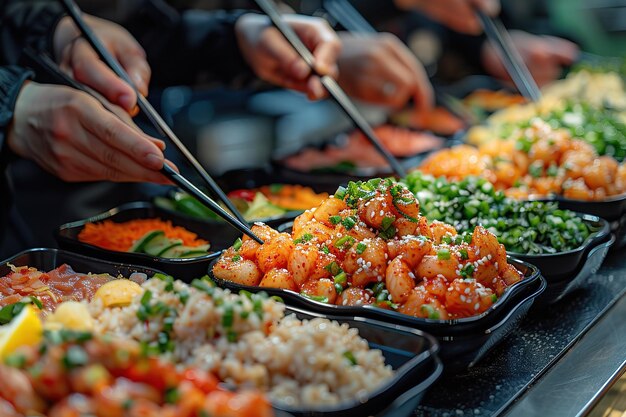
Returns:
(463,341)
(49,259)
(612,209)
(564,271)
(184,269)
(411,353)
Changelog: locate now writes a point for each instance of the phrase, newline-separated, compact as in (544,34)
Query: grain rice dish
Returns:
(248,341)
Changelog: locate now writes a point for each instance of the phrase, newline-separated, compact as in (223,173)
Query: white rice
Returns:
(295,362)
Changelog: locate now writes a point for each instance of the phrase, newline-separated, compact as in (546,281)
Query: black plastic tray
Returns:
(463,341)
(48,259)
(563,271)
(184,269)
(612,209)
(411,353)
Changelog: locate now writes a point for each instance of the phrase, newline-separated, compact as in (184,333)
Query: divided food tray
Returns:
(184,269)
(410,352)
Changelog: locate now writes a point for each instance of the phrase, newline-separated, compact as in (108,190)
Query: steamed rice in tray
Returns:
(248,341)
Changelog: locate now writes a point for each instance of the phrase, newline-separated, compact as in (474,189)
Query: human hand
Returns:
(274,60)
(459,15)
(75,55)
(380,69)
(71,135)
(545,56)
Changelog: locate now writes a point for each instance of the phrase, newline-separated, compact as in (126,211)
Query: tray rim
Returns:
(60,235)
(533,274)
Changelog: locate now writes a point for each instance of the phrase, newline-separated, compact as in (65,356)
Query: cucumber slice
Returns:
(164,203)
(140,244)
(181,251)
(156,245)
(168,248)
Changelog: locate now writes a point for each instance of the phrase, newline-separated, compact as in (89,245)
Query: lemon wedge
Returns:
(24,330)
(118,293)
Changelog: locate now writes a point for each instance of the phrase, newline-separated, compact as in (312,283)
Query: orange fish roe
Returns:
(121,236)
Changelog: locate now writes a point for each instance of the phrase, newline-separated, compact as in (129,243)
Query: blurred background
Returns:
(248,126)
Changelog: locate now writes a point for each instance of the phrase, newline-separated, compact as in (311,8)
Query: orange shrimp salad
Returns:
(368,244)
(76,374)
(121,236)
(535,161)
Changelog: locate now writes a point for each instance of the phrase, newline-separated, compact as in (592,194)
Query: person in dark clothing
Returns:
(70,135)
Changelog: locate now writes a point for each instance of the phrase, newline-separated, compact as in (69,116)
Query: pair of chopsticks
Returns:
(330,84)
(513,62)
(355,23)
(237,220)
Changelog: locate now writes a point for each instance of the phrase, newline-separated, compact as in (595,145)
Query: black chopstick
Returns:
(513,62)
(74,12)
(44,62)
(186,185)
(333,88)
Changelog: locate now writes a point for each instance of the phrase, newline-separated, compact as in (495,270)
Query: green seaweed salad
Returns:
(525,227)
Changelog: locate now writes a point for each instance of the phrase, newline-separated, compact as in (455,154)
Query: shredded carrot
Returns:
(121,236)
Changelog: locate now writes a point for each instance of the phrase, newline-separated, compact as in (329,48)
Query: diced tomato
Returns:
(204,381)
(247,195)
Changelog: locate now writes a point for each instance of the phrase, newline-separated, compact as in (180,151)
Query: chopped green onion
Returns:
(304,238)
(350,357)
(443,254)
(237,244)
(15,360)
(430,311)
(171,396)
(349,222)
(341,278)
(340,194)
(228,317)
(335,219)
(333,268)
(75,356)
(344,241)
(360,248)
(319,298)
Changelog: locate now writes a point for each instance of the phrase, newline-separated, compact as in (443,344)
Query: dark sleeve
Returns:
(27,23)
(189,46)
(11,80)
